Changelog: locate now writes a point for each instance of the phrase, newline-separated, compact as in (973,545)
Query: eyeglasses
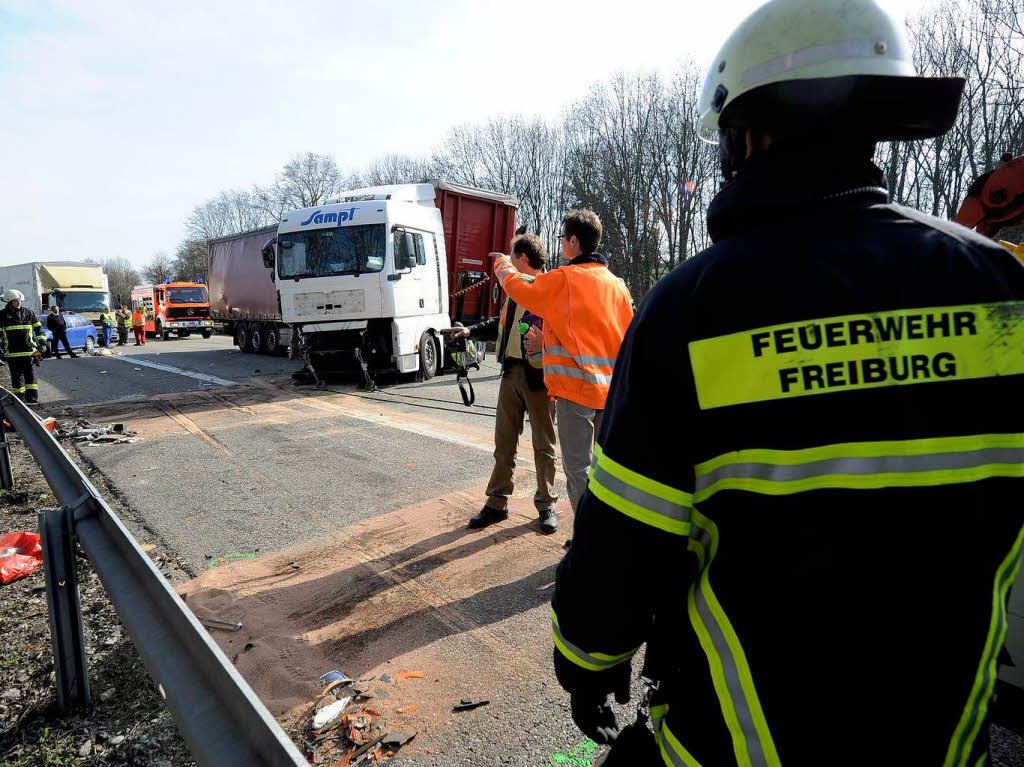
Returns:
(564,236)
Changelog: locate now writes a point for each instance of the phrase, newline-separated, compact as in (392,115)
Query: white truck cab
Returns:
(364,278)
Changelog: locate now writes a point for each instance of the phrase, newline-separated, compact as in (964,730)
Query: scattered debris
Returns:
(409,675)
(328,714)
(214,623)
(385,678)
(412,708)
(214,561)
(396,740)
(83,431)
(332,680)
(20,555)
(468,704)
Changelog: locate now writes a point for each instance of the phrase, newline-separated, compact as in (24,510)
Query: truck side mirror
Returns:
(268,253)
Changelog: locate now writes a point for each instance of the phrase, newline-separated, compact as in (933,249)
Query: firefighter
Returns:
(817,546)
(23,340)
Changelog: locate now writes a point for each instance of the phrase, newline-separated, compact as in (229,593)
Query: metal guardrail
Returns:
(217,712)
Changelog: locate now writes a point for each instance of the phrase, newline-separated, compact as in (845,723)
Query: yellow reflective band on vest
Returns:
(672,751)
(636,496)
(864,465)
(593,661)
(730,673)
(981,691)
(860,351)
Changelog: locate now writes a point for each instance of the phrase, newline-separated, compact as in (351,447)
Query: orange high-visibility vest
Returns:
(586,310)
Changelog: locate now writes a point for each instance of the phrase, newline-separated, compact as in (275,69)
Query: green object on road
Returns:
(228,557)
(579,756)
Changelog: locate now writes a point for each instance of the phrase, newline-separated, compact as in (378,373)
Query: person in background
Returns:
(520,392)
(58,327)
(107,322)
(139,326)
(586,311)
(22,338)
(123,318)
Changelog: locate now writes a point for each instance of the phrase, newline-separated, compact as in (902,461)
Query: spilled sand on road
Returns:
(410,590)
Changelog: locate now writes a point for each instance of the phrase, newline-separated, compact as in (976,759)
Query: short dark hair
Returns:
(529,245)
(585,226)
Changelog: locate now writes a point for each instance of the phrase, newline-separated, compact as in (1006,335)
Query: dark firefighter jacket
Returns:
(817,549)
(21,331)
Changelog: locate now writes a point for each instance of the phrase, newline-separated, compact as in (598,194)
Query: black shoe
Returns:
(487,516)
(548,521)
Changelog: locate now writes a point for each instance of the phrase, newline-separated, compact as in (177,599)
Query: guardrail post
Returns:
(56,531)
(6,475)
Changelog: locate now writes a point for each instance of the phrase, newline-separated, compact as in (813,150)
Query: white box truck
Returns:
(75,287)
(372,276)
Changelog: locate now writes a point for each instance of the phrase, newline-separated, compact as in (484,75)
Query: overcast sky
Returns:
(117,117)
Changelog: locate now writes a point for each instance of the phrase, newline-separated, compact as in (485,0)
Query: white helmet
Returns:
(14,295)
(810,64)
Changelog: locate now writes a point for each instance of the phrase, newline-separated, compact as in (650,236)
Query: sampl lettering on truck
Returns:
(174,307)
(370,278)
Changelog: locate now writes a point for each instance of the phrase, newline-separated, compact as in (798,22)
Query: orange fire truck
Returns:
(174,307)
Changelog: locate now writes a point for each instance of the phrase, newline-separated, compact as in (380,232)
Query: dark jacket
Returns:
(501,330)
(21,332)
(56,324)
(836,386)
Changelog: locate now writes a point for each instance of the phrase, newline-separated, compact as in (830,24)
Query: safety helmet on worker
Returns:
(13,295)
(811,67)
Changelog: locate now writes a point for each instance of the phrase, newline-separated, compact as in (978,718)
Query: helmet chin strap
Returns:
(732,151)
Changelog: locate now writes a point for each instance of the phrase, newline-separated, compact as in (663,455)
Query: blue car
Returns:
(81,333)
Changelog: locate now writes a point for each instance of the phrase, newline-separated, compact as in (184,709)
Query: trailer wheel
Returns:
(255,338)
(428,355)
(271,338)
(242,336)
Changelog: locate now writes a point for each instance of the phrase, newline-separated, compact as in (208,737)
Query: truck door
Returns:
(410,283)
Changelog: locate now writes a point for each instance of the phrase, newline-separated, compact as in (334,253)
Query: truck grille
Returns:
(188,312)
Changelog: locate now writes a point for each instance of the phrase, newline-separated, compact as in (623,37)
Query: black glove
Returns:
(590,691)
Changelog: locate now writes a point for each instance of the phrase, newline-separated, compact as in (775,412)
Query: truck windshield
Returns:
(83,301)
(326,252)
(187,295)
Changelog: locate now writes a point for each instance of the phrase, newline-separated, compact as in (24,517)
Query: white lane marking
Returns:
(171,369)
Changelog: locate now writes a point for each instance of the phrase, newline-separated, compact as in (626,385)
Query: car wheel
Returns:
(428,355)
(90,344)
(271,339)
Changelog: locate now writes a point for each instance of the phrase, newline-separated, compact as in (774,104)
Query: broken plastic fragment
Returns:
(467,704)
(328,714)
(409,675)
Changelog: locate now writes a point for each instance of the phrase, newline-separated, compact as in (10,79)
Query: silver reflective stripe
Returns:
(816,54)
(585,655)
(667,749)
(641,498)
(885,464)
(732,679)
(562,370)
(561,351)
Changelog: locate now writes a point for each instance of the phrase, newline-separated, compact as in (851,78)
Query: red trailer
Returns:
(476,223)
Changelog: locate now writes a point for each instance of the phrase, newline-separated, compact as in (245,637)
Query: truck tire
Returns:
(207,333)
(428,355)
(255,338)
(271,338)
(162,334)
(241,335)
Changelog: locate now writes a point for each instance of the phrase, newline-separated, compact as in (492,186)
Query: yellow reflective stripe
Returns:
(730,672)
(32,386)
(981,691)
(19,354)
(658,712)
(592,661)
(18,327)
(864,465)
(645,500)
(672,751)
(861,351)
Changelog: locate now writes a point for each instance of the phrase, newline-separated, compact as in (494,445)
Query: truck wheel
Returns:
(271,339)
(428,355)
(207,333)
(255,338)
(160,333)
(241,335)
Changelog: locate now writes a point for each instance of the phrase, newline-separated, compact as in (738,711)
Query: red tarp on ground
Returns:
(20,555)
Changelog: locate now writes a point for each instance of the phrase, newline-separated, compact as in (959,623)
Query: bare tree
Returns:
(122,276)
(306,180)
(159,269)
(190,260)
(231,211)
